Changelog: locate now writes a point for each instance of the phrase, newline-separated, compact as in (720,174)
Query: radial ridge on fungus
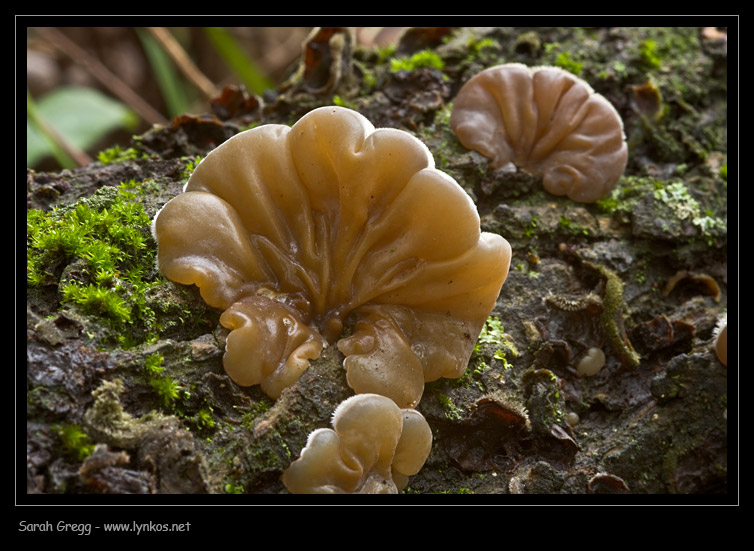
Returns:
(289,230)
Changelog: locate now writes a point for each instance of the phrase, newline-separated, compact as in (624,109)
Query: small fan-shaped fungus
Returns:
(373,447)
(291,229)
(547,121)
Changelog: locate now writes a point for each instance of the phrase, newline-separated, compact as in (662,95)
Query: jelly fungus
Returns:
(546,121)
(291,230)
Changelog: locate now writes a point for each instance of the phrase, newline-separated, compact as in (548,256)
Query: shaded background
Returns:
(93,87)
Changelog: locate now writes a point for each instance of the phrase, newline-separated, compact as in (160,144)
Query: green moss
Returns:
(423,58)
(76,442)
(493,336)
(116,155)
(532,229)
(272,455)
(340,102)
(648,54)
(385,54)
(612,317)
(500,356)
(478,46)
(544,402)
(153,364)
(234,488)
(256,409)
(100,254)
(622,199)
(682,204)
(494,333)
(485,51)
(619,68)
(565,61)
(452,412)
(190,166)
(570,228)
(97,300)
(569,57)
(204,418)
(166,388)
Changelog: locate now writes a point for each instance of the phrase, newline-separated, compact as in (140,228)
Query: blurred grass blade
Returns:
(184,62)
(229,49)
(168,79)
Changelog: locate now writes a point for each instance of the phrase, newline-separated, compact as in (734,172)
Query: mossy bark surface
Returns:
(139,402)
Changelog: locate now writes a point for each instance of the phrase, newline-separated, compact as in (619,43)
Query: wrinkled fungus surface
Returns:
(547,121)
(373,447)
(289,230)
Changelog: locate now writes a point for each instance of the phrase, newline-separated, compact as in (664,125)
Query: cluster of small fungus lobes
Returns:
(290,230)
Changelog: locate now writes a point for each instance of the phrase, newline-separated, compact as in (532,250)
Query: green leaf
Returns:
(83,116)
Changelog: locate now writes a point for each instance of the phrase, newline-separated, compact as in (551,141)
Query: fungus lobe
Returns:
(290,230)
(373,447)
(547,121)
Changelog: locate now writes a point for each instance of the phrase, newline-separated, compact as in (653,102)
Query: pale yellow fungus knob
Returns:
(592,362)
(373,447)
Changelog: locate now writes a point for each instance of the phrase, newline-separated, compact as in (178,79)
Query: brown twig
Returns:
(184,62)
(102,74)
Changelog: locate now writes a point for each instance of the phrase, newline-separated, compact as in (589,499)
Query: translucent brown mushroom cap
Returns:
(372,448)
(547,121)
(289,230)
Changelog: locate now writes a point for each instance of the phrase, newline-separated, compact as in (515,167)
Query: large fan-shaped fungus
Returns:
(291,229)
(547,121)
(373,447)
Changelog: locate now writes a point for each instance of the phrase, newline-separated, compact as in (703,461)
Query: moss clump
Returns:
(204,419)
(493,333)
(424,58)
(190,166)
(648,54)
(166,388)
(76,442)
(100,255)
(493,344)
(452,411)
(567,57)
(571,228)
(612,317)
(565,61)
(544,402)
(624,198)
(683,206)
(234,488)
(117,154)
